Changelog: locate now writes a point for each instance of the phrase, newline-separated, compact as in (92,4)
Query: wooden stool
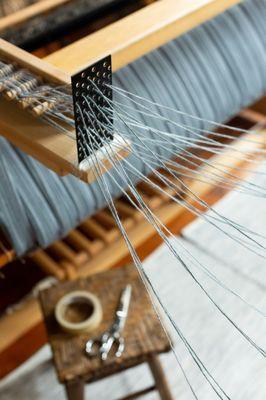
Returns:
(143,333)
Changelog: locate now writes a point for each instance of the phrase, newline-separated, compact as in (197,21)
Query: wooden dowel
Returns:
(148,189)
(260,106)
(70,270)
(253,116)
(174,189)
(127,210)
(93,228)
(105,219)
(29,12)
(81,242)
(128,223)
(152,202)
(138,33)
(6,255)
(61,249)
(47,264)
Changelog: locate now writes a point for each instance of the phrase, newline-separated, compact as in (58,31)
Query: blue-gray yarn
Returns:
(211,72)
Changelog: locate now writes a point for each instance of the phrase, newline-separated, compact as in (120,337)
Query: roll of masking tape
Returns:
(78,312)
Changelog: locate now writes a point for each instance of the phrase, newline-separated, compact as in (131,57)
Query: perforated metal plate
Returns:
(89,105)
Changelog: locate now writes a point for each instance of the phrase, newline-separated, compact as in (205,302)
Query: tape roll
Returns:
(78,312)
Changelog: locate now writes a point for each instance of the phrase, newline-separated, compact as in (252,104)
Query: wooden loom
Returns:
(97,245)
(128,39)
(125,40)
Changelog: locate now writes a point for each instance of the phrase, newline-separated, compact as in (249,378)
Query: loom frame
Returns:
(125,40)
(128,39)
(143,34)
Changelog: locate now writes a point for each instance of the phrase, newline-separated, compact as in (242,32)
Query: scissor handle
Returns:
(102,346)
(121,346)
(93,347)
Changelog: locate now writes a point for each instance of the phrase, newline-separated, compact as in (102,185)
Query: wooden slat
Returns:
(81,242)
(71,272)
(126,210)
(105,219)
(39,67)
(138,33)
(13,326)
(29,12)
(254,115)
(260,106)
(62,250)
(47,264)
(95,229)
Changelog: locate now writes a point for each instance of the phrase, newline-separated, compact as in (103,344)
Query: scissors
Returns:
(101,346)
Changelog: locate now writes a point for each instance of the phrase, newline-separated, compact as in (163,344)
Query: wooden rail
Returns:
(139,33)
(31,11)
(43,141)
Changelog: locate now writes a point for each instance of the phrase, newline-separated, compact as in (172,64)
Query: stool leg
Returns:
(159,378)
(75,389)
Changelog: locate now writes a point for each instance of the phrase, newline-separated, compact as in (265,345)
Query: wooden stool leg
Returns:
(75,389)
(159,378)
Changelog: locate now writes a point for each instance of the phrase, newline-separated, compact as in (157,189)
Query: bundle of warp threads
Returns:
(211,72)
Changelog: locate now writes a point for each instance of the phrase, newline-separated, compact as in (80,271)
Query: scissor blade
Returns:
(122,310)
(125,300)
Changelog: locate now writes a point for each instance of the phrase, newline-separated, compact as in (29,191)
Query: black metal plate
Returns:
(82,87)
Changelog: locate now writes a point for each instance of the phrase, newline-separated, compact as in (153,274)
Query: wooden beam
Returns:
(32,63)
(15,325)
(138,33)
(39,140)
(31,11)
(45,142)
